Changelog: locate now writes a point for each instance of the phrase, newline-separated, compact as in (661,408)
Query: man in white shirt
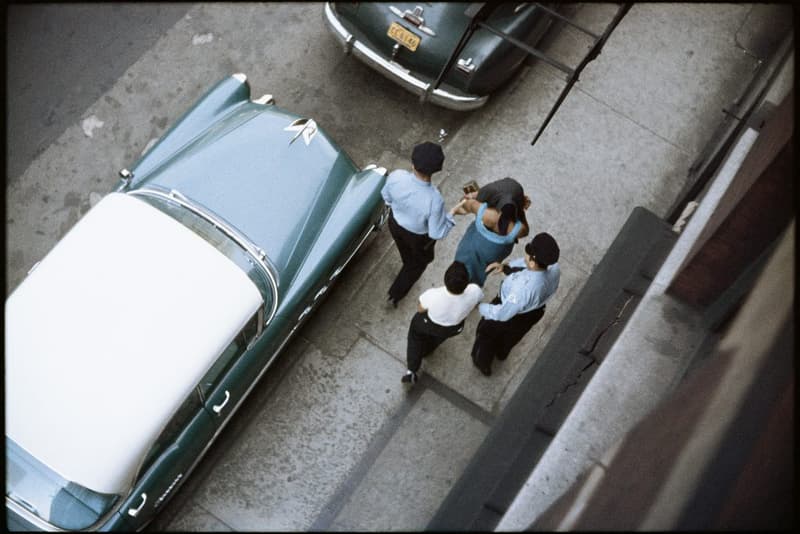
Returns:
(440,315)
(530,282)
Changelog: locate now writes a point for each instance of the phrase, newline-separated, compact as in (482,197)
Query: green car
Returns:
(131,344)
(437,49)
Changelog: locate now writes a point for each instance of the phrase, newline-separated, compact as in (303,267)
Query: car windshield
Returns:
(213,235)
(44,493)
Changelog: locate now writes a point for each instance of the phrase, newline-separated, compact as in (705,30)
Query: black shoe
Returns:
(409,378)
(393,301)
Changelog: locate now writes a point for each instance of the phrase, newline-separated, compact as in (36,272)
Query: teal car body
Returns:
(270,202)
(425,35)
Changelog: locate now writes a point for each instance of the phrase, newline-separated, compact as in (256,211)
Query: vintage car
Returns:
(131,343)
(419,44)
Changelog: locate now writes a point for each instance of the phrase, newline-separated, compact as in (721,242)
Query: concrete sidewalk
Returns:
(625,137)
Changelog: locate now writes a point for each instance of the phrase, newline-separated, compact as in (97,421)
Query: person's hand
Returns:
(459,209)
(526,203)
(494,268)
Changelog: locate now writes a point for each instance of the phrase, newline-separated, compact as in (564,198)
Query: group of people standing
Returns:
(419,218)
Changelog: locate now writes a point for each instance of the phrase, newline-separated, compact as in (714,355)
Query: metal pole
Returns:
(529,49)
(593,53)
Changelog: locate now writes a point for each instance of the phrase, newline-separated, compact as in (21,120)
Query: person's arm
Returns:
(524,229)
(423,302)
(500,312)
(440,221)
(471,205)
(478,293)
(386,194)
(459,209)
(499,267)
(496,267)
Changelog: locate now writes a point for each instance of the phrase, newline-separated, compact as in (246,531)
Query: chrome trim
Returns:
(266,100)
(306,127)
(133,512)
(30,517)
(398,74)
(465,65)
(305,312)
(251,248)
(167,492)
(218,408)
(348,44)
(321,292)
(374,167)
(382,218)
(415,18)
(126,177)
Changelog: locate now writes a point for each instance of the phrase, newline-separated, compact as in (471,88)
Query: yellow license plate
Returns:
(403,36)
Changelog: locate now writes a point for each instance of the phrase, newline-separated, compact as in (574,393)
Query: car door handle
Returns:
(218,408)
(133,512)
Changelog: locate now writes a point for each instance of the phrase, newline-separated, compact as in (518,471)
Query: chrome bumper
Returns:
(396,72)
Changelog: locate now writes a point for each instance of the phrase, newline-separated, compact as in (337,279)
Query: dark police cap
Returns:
(544,249)
(427,157)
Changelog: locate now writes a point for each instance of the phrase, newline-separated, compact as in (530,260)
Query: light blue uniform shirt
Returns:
(522,291)
(417,205)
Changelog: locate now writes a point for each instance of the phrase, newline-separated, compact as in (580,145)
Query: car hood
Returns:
(249,171)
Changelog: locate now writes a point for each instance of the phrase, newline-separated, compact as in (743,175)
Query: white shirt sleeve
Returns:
(427,298)
(475,294)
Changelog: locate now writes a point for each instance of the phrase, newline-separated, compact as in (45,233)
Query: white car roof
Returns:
(108,335)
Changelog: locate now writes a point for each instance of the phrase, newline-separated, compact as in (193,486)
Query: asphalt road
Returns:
(61,58)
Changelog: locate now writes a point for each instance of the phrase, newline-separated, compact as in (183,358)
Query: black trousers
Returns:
(495,339)
(424,336)
(416,251)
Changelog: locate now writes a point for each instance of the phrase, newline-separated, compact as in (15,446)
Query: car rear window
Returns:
(44,493)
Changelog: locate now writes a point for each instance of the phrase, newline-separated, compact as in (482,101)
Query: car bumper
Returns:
(397,73)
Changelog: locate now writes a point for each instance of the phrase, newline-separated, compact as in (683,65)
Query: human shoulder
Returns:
(399,174)
(554,271)
(473,291)
(431,294)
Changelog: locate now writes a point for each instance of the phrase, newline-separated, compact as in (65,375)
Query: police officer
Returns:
(418,217)
(529,283)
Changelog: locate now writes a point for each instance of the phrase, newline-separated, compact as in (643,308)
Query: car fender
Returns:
(355,213)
